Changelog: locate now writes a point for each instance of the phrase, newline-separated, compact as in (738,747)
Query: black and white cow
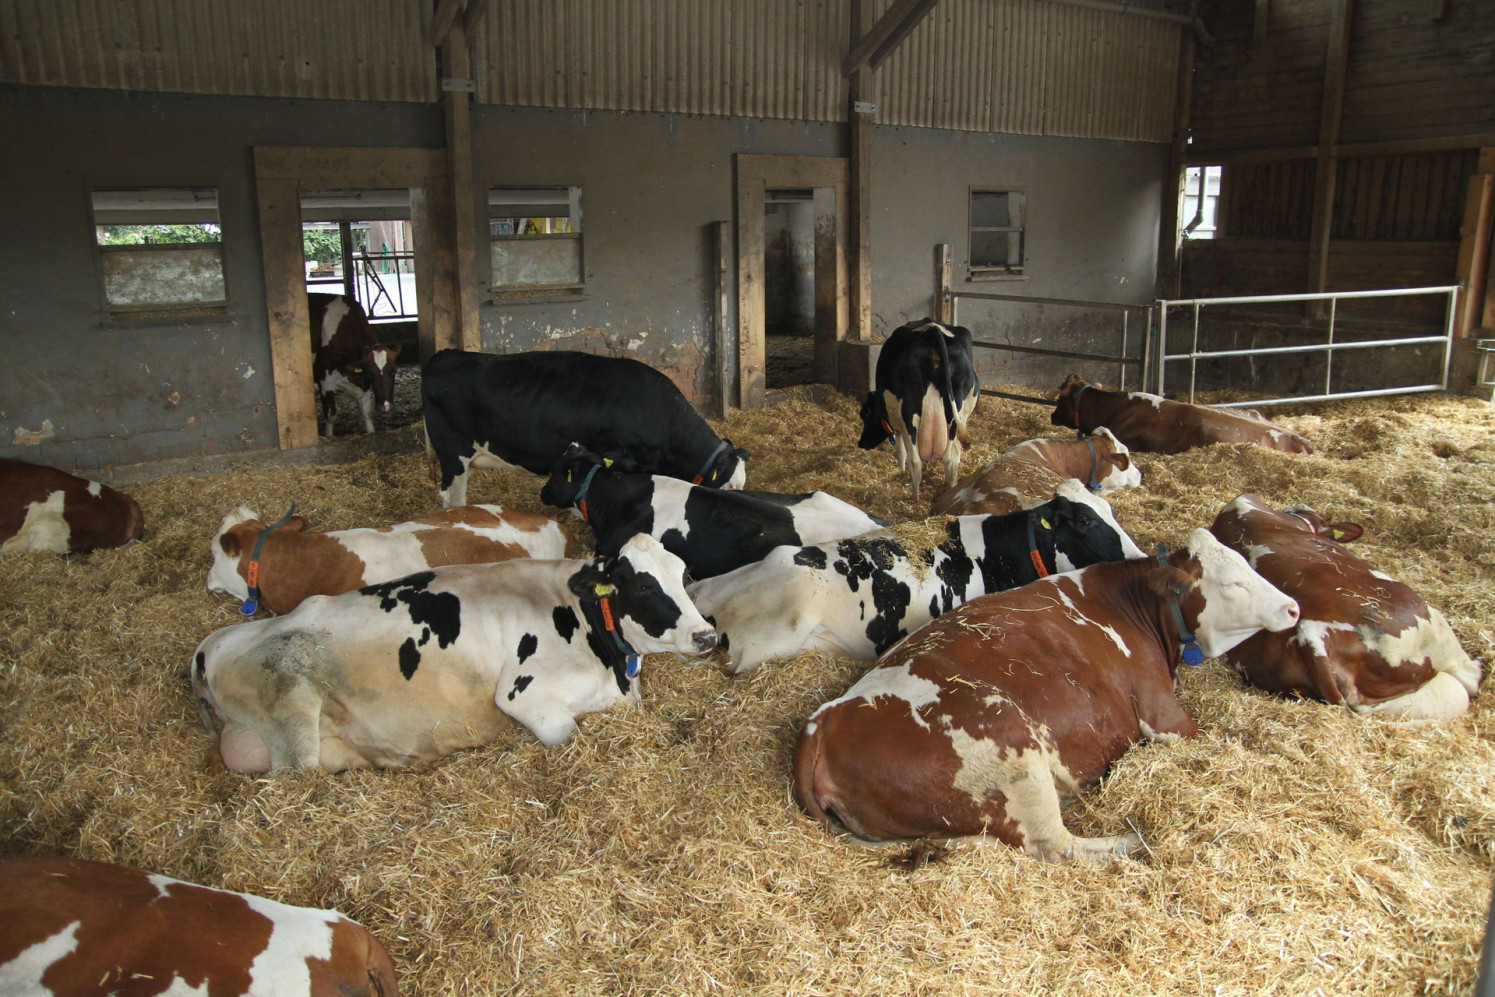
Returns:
(862,595)
(347,357)
(438,661)
(924,391)
(525,409)
(711,530)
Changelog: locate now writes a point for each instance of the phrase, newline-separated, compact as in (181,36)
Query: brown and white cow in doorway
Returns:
(43,508)
(347,357)
(1366,641)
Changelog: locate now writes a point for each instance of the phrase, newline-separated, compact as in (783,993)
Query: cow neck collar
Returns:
(617,654)
(1304,520)
(1075,401)
(1092,484)
(581,494)
(1034,555)
(252,573)
(1192,653)
(701,474)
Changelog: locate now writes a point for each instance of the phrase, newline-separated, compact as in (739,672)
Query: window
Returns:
(1201,198)
(997,218)
(159,247)
(535,239)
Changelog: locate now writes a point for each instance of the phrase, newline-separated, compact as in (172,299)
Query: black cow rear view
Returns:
(924,392)
(525,409)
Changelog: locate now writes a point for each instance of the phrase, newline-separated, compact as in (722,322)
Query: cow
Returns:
(92,929)
(1155,424)
(1366,641)
(442,660)
(1027,475)
(711,530)
(862,595)
(44,508)
(289,564)
(347,357)
(924,390)
(979,724)
(525,409)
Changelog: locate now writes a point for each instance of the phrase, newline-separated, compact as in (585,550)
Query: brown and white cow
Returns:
(1027,474)
(294,564)
(90,929)
(1155,424)
(347,357)
(1366,640)
(43,508)
(980,723)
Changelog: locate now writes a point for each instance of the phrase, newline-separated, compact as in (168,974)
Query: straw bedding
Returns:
(1291,848)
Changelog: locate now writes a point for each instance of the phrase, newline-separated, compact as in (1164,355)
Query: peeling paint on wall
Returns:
(30,438)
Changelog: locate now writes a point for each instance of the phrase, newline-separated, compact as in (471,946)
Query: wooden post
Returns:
(827,326)
(285,303)
(720,239)
(456,63)
(944,308)
(862,116)
(1169,235)
(1474,253)
(1326,169)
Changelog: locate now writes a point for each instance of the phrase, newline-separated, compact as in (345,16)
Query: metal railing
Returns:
(1328,348)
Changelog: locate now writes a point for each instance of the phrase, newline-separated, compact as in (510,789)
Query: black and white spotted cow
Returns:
(924,391)
(711,530)
(862,595)
(442,660)
(525,409)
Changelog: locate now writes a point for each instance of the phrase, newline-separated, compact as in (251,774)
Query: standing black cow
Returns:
(711,530)
(525,409)
(922,397)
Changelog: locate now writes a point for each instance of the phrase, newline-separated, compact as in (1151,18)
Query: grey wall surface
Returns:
(121,391)
(80,389)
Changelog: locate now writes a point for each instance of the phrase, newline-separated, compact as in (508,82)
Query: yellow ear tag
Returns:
(1044,523)
(569,478)
(602,589)
(1336,534)
(607,462)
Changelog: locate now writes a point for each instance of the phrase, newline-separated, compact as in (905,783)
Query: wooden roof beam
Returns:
(441,23)
(887,34)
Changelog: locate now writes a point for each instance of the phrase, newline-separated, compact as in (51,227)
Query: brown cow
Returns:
(42,508)
(1027,474)
(294,565)
(1155,424)
(90,929)
(1365,641)
(347,357)
(978,723)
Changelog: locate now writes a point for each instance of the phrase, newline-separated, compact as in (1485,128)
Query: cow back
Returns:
(44,508)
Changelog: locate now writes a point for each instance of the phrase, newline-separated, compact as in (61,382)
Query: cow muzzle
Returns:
(704,640)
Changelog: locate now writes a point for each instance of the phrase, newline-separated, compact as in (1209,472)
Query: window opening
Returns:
(997,233)
(159,247)
(359,243)
(535,241)
(1201,199)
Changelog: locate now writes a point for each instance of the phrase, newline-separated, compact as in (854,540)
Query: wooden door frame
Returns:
(281,173)
(755,175)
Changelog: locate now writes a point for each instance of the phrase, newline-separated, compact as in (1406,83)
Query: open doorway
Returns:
(789,287)
(359,243)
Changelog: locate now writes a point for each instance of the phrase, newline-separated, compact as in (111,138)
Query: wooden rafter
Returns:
(445,16)
(887,34)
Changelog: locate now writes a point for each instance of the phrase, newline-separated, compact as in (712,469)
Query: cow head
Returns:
(1085,528)
(232,546)
(647,586)
(729,470)
(1222,599)
(1233,524)
(875,426)
(1307,519)
(376,373)
(1116,467)
(572,476)
(1063,399)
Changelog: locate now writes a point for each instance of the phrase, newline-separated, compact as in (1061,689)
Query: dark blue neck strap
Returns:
(1193,654)
(701,475)
(1075,401)
(252,604)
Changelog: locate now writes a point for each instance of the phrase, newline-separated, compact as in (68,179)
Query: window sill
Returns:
(497,296)
(980,277)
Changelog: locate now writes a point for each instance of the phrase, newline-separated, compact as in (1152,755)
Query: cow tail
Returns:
(946,385)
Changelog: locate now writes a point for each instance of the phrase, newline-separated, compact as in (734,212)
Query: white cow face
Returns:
(223,576)
(1237,601)
(655,612)
(1122,471)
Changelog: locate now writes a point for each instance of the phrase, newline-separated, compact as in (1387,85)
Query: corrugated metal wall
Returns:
(354,50)
(1022,66)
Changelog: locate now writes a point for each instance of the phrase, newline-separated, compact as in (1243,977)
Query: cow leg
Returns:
(1442,697)
(329,413)
(366,409)
(455,494)
(759,626)
(1027,783)
(547,717)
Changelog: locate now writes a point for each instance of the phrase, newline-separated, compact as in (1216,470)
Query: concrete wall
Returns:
(120,391)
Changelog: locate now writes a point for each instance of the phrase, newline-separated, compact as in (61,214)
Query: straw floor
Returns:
(1291,848)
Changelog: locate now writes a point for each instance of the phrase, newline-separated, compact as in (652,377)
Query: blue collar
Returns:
(1075,401)
(701,474)
(1092,484)
(1193,654)
(581,493)
(252,603)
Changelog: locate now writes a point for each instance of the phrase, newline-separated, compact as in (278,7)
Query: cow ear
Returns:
(590,582)
(394,351)
(1342,532)
(742,455)
(1170,582)
(229,542)
(1121,460)
(1051,394)
(296,524)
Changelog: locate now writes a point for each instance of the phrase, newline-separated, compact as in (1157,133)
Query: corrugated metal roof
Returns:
(350,49)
